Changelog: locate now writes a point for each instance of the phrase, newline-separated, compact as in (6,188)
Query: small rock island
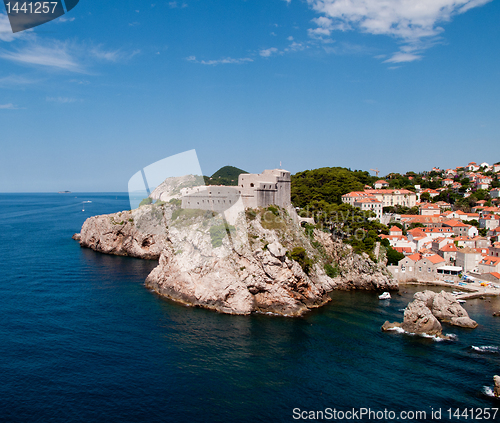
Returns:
(424,313)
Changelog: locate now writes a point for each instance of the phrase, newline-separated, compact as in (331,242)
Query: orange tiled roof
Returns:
(449,248)
(435,259)
(415,257)
(454,223)
(491,261)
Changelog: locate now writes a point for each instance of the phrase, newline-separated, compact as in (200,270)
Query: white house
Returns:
(381,184)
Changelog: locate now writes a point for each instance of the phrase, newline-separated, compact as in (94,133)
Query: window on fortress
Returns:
(251,185)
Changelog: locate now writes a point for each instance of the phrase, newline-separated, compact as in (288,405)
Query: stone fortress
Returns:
(254,190)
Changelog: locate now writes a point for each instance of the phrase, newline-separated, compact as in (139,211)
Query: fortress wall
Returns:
(256,190)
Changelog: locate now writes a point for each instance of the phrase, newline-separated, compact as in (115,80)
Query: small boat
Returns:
(385,296)
(461,301)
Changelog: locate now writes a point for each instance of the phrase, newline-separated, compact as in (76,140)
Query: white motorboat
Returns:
(385,296)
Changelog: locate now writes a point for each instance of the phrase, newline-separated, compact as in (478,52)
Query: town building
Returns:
(388,197)
(429,209)
(381,184)
(489,221)
(449,253)
(468,259)
(489,264)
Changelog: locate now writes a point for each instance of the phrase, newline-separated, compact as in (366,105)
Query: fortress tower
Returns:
(266,188)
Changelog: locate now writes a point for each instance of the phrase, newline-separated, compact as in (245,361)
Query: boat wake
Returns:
(487,349)
(448,337)
(488,391)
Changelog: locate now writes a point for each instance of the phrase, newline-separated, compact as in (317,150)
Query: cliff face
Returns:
(262,261)
(139,233)
(355,271)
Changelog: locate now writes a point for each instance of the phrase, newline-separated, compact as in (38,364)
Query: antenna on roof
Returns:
(280,164)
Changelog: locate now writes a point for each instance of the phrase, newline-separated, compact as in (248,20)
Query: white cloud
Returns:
(5,29)
(67,56)
(64,19)
(61,100)
(268,52)
(401,57)
(175,5)
(8,106)
(13,81)
(295,47)
(56,55)
(346,48)
(412,21)
(224,61)
(112,55)
(290,38)
(6,33)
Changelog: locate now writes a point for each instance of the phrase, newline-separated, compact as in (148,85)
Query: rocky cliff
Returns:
(355,271)
(139,233)
(261,262)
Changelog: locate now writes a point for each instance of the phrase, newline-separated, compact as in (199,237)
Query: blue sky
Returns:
(91,98)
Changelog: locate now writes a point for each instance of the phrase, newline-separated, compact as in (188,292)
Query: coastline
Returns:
(475,290)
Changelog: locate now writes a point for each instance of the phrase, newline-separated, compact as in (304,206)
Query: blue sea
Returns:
(83,340)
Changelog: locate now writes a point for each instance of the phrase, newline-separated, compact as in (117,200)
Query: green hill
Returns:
(327,184)
(227,175)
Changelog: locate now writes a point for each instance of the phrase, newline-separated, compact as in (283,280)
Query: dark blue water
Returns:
(82,340)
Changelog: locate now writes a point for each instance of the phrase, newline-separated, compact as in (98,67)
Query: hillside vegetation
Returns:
(319,192)
(227,175)
(327,184)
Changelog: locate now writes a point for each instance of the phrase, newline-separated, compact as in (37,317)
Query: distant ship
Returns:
(64,192)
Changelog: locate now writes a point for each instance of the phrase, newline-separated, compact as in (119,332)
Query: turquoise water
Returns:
(82,340)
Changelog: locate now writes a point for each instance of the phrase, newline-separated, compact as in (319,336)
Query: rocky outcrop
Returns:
(447,309)
(424,313)
(139,233)
(264,281)
(496,389)
(387,326)
(418,318)
(262,262)
(356,271)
